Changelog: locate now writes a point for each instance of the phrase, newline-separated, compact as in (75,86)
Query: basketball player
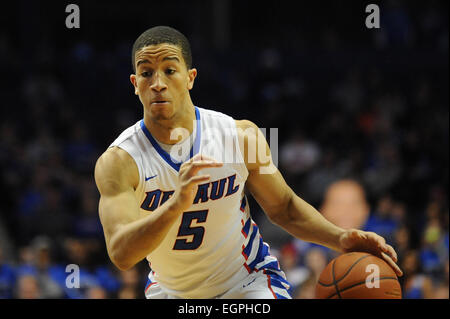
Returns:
(171,194)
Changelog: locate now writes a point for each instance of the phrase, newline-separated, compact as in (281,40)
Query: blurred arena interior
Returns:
(350,103)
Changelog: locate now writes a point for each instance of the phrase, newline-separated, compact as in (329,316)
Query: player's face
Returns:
(162,80)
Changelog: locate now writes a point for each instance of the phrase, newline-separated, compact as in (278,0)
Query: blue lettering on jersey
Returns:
(157,197)
(166,196)
(151,201)
(202,193)
(231,188)
(217,189)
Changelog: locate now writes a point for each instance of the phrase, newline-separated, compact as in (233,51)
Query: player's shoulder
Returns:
(245,124)
(114,157)
(116,165)
(247,129)
(114,160)
(117,157)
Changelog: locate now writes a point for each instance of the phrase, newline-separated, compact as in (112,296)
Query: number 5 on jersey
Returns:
(187,230)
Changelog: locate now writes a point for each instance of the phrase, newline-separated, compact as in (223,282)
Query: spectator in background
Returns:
(433,252)
(79,151)
(290,263)
(28,287)
(87,224)
(350,92)
(37,261)
(96,292)
(128,293)
(441,290)
(130,286)
(92,275)
(384,168)
(50,276)
(30,202)
(42,207)
(54,218)
(328,170)
(402,241)
(345,204)
(307,289)
(298,154)
(415,284)
(315,261)
(381,220)
(7,277)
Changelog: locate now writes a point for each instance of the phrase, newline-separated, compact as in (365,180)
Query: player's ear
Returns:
(134,82)
(192,73)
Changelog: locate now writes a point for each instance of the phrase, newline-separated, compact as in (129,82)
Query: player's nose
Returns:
(158,84)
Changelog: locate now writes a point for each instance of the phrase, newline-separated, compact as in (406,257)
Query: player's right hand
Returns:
(188,179)
(358,240)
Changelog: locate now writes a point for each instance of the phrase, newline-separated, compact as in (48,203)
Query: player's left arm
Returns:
(284,208)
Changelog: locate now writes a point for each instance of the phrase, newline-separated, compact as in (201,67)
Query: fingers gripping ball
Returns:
(358,275)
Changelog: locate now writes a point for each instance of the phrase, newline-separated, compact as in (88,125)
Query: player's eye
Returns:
(170,71)
(146,74)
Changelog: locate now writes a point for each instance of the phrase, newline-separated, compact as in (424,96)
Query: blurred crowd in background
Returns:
(362,119)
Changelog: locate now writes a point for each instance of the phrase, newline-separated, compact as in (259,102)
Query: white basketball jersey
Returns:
(214,244)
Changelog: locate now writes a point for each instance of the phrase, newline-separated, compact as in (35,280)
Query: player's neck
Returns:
(161,130)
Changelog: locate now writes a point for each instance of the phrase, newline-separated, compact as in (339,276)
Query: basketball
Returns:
(358,275)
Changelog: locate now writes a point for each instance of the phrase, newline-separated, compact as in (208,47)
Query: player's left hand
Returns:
(358,240)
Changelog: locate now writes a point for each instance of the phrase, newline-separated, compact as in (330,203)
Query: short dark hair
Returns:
(163,34)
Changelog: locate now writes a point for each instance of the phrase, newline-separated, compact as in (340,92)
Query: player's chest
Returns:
(225,184)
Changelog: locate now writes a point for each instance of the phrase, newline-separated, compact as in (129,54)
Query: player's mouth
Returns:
(159,102)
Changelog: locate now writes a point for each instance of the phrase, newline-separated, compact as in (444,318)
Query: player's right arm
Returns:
(130,236)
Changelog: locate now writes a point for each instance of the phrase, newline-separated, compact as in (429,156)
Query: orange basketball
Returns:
(358,276)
